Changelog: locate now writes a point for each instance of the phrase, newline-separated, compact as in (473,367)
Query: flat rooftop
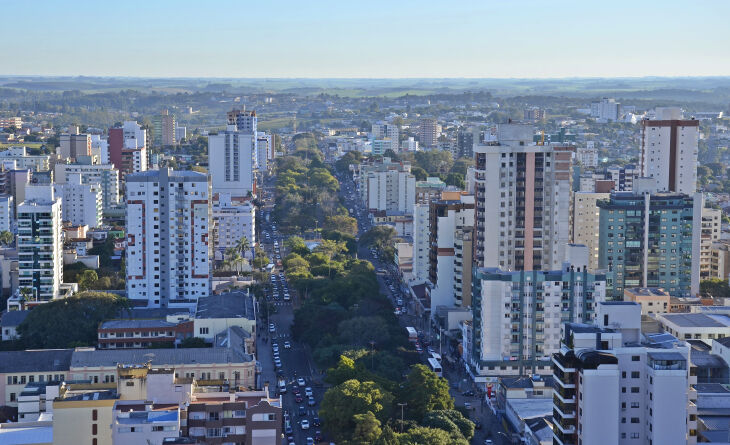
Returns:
(698,320)
(647,291)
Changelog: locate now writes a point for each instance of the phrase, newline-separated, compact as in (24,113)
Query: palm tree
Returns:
(243,245)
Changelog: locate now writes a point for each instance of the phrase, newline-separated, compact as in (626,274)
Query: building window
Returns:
(93,429)
(635,358)
(94,414)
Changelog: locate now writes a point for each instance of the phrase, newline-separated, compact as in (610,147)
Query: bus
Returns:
(435,366)
(412,334)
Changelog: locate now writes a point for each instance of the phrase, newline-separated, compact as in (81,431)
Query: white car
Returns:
(287,345)
(272,328)
(300,381)
(305,424)
(308,391)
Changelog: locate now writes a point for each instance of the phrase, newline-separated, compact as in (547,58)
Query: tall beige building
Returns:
(586,222)
(711,229)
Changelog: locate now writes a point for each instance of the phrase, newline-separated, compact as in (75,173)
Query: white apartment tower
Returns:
(523,201)
(387,186)
(82,203)
(613,388)
(40,245)
(669,147)
(105,175)
(711,231)
(168,233)
(234,155)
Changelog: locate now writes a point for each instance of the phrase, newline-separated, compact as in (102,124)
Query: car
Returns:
(308,391)
(296,390)
(396,311)
(287,345)
(311,401)
(315,421)
(318,436)
(310,441)
(298,398)
(300,381)
(477,425)
(468,393)
(287,428)
(277,364)
(272,328)
(302,410)
(419,348)
(304,424)
(275,347)
(488,442)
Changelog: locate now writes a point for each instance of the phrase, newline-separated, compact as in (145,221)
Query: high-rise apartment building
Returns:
(465,138)
(7,214)
(623,177)
(244,121)
(164,128)
(387,186)
(105,175)
(523,201)
(128,148)
(649,240)
(74,145)
(586,220)
(711,231)
(613,388)
(451,231)
(168,237)
(385,137)
(607,110)
(517,316)
(233,163)
(421,241)
(428,132)
(40,244)
(534,114)
(588,155)
(82,203)
(669,148)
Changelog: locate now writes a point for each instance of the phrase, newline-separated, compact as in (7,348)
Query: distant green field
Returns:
(273,124)
(24,144)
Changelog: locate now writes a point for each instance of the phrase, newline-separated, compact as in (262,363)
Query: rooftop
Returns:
(159,357)
(35,360)
(227,305)
(698,320)
(13,318)
(647,291)
(136,324)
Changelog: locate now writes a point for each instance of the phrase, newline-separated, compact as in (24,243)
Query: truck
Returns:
(412,334)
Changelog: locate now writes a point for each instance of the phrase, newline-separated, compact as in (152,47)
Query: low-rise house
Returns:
(9,323)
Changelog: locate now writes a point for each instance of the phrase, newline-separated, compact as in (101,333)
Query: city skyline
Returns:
(526,39)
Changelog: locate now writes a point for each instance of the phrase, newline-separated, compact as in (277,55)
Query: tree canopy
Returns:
(69,322)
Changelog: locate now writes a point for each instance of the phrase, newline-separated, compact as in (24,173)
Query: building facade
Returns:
(648,240)
(669,149)
(235,159)
(40,244)
(168,233)
(517,316)
(106,175)
(523,202)
(82,203)
(128,148)
(586,221)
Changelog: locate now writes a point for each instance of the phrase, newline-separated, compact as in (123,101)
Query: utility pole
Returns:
(402,405)
(372,355)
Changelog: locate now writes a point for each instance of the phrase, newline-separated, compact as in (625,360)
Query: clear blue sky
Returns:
(376,38)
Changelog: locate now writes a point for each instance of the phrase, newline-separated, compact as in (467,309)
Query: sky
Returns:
(373,39)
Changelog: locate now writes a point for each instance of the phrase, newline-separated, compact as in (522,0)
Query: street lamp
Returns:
(372,355)
(402,405)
